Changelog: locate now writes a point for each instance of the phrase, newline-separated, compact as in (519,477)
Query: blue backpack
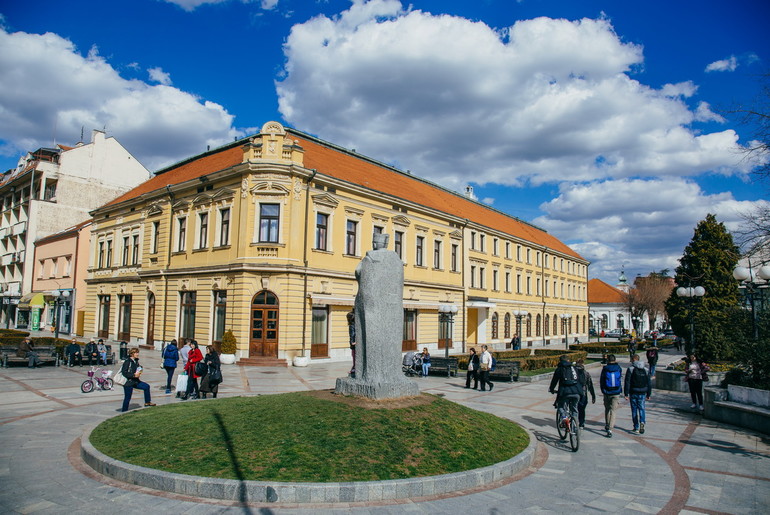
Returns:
(612,380)
(493,365)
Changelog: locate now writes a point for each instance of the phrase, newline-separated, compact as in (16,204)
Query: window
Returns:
(104,316)
(537,325)
(437,255)
(155,237)
(319,331)
(187,312)
(546,325)
(518,283)
(419,251)
(220,311)
(100,264)
(507,250)
(135,251)
(203,230)
(518,252)
(224,227)
(507,281)
(410,330)
(494,279)
(495,328)
(126,248)
(507,326)
(454,257)
(181,234)
(67,266)
(482,277)
(109,254)
(40,267)
(538,286)
(321,231)
(124,317)
(529,324)
(473,240)
(482,241)
(55,265)
(268,223)
(351,234)
(495,246)
(473,276)
(50,191)
(529,285)
(398,245)
(529,256)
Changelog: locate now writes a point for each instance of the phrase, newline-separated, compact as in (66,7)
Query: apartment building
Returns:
(49,190)
(262,237)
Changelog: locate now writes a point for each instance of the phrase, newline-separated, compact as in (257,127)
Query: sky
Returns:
(609,124)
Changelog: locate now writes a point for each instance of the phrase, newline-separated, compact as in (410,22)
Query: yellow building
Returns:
(262,236)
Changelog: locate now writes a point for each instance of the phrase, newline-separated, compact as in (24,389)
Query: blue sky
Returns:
(604,122)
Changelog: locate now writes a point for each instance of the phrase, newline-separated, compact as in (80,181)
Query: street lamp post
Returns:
(564,319)
(61,296)
(446,314)
(748,277)
(690,294)
(637,325)
(519,314)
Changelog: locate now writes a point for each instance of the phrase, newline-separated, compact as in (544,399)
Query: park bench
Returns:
(110,355)
(448,365)
(507,370)
(44,354)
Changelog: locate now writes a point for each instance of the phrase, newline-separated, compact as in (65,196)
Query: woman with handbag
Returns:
(210,383)
(133,372)
(193,372)
(696,371)
(473,370)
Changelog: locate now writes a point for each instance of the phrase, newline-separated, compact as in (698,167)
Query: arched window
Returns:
(547,325)
(555,325)
(537,325)
(529,324)
(494,326)
(507,326)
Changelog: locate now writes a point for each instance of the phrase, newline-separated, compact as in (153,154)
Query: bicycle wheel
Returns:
(574,434)
(107,384)
(87,386)
(559,427)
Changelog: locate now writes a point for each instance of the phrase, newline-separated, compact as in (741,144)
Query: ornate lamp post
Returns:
(565,317)
(61,296)
(446,314)
(637,326)
(519,314)
(747,276)
(690,294)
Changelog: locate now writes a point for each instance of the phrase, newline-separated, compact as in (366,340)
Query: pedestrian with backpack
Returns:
(611,385)
(586,386)
(638,387)
(652,358)
(566,378)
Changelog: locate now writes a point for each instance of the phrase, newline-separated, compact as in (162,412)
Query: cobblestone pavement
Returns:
(682,464)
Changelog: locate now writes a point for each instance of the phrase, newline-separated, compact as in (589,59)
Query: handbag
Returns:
(118,377)
(201,369)
(181,383)
(215,376)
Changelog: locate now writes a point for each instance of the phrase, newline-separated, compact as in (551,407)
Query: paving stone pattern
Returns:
(682,464)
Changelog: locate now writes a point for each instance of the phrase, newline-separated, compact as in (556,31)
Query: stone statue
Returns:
(379,323)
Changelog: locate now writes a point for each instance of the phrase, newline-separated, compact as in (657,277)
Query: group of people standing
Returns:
(194,363)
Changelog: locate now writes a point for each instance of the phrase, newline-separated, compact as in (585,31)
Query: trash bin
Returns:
(123,350)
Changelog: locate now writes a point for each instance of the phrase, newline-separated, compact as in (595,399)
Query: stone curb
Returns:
(299,493)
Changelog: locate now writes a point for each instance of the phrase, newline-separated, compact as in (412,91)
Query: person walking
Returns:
(611,385)
(565,385)
(27,350)
(485,363)
(638,387)
(210,382)
(586,387)
(193,357)
(697,373)
(631,348)
(473,369)
(652,358)
(425,356)
(170,358)
(132,371)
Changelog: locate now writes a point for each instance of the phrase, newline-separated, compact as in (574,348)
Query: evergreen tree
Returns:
(708,261)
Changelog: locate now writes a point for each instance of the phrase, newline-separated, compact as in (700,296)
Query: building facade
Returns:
(49,190)
(262,237)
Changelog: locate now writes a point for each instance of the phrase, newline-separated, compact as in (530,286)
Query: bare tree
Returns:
(652,292)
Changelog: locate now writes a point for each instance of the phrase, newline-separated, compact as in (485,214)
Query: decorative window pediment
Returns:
(154,210)
(201,199)
(181,205)
(269,188)
(223,194)
(325,199)
(401,220)
(456,235)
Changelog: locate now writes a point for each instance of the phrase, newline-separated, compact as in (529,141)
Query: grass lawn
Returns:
(311,436)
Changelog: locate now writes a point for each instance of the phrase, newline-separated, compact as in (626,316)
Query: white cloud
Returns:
(724,65)
(159,124)
(268,4)
(191,5)
(703,113)
(159,76)
(456,101)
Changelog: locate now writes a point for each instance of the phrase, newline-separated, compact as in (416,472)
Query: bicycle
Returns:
(104,382)
(568,425)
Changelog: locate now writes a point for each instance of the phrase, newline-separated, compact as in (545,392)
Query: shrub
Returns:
(228,343)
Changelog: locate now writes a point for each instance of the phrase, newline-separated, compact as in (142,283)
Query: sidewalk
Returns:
(681,464)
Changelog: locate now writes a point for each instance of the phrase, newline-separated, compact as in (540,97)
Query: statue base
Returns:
(376,391)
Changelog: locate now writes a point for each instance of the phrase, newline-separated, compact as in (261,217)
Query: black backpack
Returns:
(639,379)
(569,376)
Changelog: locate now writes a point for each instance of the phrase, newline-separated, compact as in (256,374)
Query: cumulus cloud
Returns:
(724,65)
(544,100)
(159,124)
(159,76)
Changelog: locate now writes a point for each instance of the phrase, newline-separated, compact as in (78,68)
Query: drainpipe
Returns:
(168,257)
(305,261)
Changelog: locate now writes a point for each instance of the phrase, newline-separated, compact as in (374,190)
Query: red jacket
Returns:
(193,357)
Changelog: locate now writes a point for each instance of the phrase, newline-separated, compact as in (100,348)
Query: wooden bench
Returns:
(110,356)
(508,370)
(443,364)
(44,354)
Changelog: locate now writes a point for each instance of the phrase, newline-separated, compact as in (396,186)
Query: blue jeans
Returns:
(652,369)
(637,408)
(128,390)
(170,373)
(425,367)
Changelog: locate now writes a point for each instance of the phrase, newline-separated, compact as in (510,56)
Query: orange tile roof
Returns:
(336,162)
(600,292)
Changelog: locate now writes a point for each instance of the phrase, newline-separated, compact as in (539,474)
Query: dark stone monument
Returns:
(379,323)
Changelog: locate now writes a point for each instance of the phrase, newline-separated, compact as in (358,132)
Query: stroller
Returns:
(412,363)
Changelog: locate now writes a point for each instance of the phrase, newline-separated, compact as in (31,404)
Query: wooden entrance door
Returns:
(150,336)
(263,340)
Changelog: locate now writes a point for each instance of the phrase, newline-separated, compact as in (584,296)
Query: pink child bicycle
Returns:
(102,381)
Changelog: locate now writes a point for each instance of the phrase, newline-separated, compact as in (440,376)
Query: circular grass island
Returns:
(310,437)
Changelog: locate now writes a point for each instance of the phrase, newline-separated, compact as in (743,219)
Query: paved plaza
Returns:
(682,464)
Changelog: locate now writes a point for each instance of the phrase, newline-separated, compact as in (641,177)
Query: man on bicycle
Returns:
(566,378)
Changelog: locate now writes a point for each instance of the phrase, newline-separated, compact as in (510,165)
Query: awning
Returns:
(32,300)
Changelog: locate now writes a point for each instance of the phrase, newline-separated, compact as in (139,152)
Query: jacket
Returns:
(91,349)
(562,377)
(170,356)
(628,389)
(588,383)
(607,369)
(129,372)
(72,348)
(193,357)
(474,361)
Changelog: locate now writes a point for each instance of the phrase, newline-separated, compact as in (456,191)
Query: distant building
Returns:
(262,236)
(607,307)
(52,189)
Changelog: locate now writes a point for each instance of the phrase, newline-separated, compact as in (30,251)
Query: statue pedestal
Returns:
(376,391)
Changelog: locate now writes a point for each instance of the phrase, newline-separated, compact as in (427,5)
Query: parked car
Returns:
(615,333)
(592,332)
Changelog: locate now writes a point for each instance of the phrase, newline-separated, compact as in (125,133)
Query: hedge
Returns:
(543,358)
